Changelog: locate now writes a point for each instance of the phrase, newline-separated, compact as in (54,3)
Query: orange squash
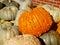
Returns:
(35,22)
(58,29)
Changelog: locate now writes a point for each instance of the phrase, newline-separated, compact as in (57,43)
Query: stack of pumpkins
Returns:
(38,26)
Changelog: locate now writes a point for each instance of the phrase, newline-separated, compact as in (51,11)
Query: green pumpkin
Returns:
(10,3)
(8,13)
(51,38)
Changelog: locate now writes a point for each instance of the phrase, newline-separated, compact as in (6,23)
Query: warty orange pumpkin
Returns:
(35,22)
(58,29)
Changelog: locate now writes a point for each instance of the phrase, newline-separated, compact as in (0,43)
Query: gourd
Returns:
(58,27)
(8,13)
(51,38)
(35,22)
(10,3)
(7,30)
(54,12)
(23,40)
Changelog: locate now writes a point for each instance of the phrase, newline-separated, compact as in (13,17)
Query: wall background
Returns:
(51,2)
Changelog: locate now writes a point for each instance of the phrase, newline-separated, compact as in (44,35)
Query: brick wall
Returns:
(51,2)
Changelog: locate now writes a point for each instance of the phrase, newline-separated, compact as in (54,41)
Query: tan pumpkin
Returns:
(23,40)
(35,22)
(8,13)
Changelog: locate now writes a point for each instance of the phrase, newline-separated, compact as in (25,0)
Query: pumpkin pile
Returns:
(23,23)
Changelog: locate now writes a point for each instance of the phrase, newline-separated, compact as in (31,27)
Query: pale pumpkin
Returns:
(7,31)
(35,22)
(10,3)
(23,40)
(8,13)
(50,38)
(54,12)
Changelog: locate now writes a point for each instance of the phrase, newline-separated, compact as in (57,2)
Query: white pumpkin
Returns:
(23,40)
(54,12)
(8,32)
(8,13)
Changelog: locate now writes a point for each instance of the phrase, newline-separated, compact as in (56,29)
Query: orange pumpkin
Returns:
(35,22)
(58,29)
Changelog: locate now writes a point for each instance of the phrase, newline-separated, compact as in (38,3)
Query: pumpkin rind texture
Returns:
(23,40)
(8,13)
(51,38)
(35,22)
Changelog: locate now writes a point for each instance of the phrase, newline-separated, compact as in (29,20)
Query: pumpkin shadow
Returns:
(54,25)
(42,42)
(2,5)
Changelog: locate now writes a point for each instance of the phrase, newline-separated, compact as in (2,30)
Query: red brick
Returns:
(56,6)
(57,0)
(58,3)
(54,2)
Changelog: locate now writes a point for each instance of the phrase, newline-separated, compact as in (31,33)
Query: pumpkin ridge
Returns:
(46,14)
(40,15)
(34,13)
(42,18)
(29,21)
(39,20)
(20,19)
(47,21)
(35,18)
